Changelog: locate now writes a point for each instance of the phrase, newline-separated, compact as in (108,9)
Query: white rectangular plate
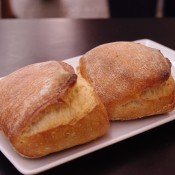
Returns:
(118,131)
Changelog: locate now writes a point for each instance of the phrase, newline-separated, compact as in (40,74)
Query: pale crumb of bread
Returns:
(143,100)
(79,97)
(158,92)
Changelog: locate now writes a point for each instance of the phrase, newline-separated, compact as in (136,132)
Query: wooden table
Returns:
(28,41)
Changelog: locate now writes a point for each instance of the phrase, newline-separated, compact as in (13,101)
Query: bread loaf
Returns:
(131,79)
(45,109)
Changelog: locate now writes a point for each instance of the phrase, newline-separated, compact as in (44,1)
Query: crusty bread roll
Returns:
(131,79)
(44,108)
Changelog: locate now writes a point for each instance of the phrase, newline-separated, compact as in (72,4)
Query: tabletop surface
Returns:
(24,42)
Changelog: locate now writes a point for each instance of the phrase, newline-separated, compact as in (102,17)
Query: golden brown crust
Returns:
(49,110)
(91,126)
(29,90)
(120,71)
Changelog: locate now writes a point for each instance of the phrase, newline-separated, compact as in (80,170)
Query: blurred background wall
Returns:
(86,8)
